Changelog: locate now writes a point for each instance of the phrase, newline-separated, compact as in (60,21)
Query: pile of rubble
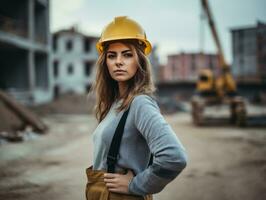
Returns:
(17,123)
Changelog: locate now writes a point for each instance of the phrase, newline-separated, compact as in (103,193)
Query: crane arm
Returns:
(207,10)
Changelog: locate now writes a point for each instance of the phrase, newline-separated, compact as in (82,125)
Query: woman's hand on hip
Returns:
(118,182)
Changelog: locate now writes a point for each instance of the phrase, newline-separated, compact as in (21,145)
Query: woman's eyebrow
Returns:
(125,51)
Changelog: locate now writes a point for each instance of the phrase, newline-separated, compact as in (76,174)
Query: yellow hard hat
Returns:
(123,28)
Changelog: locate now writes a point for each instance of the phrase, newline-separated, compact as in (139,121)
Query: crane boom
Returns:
(207,10)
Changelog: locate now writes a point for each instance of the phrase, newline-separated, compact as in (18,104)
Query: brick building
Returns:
(185,66)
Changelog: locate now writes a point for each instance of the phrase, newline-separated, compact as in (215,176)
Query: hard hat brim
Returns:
(147,49)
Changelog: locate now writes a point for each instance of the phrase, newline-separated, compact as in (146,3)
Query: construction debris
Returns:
(17,123)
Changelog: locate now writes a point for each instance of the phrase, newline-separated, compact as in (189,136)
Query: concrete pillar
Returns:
(31,62)
(49,52)
(31,19)
(31,70)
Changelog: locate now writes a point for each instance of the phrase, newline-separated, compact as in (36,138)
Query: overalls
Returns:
(96,188)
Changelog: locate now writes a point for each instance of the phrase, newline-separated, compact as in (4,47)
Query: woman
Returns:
(124,87)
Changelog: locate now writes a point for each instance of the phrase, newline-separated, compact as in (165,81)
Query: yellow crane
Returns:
(213,89)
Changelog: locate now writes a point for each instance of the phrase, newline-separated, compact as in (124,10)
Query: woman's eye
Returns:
(128,55)
(110,56)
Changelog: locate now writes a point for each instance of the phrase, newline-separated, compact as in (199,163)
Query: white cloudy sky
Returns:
(174,25)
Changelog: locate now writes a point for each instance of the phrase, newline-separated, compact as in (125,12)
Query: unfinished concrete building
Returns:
(25,50)
(249,53)
(74,57)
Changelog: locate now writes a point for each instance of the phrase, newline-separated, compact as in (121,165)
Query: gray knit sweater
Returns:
(146,132)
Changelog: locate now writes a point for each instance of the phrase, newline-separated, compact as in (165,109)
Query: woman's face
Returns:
(121,61)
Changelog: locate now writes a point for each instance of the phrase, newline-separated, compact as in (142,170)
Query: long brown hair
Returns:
(106,89)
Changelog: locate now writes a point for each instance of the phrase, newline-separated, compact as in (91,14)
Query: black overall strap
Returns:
(115,144)
(151,160)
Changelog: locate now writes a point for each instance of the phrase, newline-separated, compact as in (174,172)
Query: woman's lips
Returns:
(119,71)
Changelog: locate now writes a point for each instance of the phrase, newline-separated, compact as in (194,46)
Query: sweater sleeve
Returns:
(169,154)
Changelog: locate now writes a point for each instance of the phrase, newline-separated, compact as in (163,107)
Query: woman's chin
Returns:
(121,79)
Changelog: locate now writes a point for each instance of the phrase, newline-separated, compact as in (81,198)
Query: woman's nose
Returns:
(119,61)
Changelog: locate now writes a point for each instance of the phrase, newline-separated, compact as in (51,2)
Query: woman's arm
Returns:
(169,154)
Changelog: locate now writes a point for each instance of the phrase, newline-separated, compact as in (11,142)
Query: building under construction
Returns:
(249,53)
(25,50)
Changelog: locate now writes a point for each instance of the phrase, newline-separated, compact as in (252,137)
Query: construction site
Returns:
(217,109)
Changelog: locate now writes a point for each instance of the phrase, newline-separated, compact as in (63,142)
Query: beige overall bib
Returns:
(97,190)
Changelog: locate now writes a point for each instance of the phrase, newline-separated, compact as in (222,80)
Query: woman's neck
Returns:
(122,89)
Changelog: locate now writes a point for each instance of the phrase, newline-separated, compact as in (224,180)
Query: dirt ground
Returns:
(225,162)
